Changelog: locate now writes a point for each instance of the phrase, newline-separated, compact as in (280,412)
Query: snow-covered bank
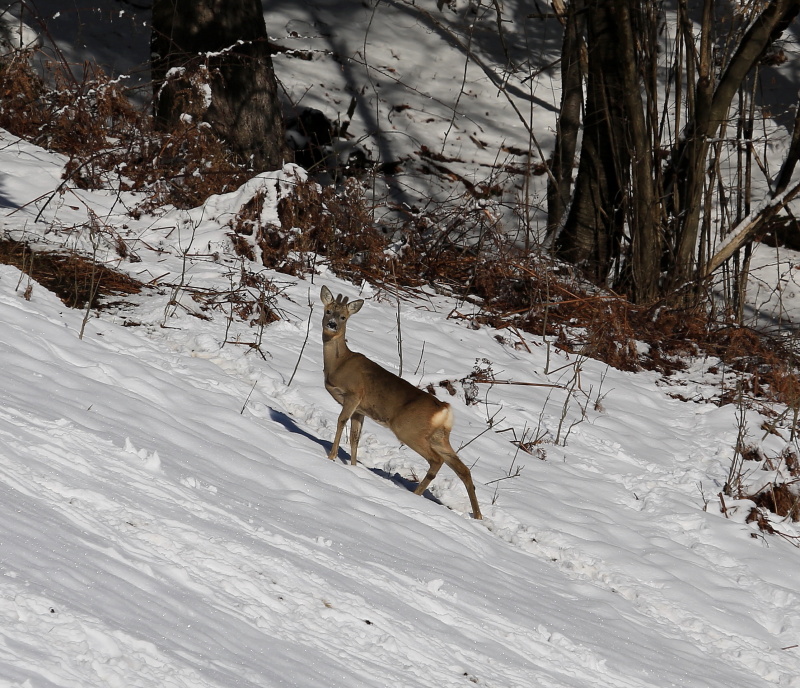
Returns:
(169,516)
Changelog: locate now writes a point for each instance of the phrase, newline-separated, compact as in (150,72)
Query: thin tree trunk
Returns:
(568,124)
(711,109)
(643,220)
(750,227)
(792,156)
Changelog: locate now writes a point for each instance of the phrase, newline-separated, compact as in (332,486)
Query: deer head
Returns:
(337,313)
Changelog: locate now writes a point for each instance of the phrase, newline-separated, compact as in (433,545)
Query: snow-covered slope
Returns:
(169,517)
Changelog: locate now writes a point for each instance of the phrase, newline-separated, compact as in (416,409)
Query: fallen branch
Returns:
(749,228)
(489,381)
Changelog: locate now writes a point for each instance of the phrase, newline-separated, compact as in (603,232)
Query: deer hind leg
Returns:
(448,455)
(356,423)
(435,464)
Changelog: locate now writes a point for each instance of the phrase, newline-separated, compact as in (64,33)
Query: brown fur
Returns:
(363,388)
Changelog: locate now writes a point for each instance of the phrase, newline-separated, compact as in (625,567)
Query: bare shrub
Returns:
(182,167)
(780,497)
(21,92)
(782,500)
(103,134)
(325,221)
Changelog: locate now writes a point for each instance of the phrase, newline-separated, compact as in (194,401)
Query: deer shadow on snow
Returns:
(343,457)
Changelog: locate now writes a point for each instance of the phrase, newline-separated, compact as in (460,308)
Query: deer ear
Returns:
(325,295)
(355,306)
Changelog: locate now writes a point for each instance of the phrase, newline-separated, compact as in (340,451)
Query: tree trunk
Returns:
(594,226)
(644,260)
(629,223)
(792,156)
(211,61)
(568,125)
(712,105)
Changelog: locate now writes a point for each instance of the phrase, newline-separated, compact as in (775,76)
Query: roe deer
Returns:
(363,388)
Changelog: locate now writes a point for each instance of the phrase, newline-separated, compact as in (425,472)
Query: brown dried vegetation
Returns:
(780,499)
(780,496)
(92,122)
(75,279)
(315,222)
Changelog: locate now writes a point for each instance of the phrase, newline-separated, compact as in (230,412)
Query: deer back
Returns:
(381,394)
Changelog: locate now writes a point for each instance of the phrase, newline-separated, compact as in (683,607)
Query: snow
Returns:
(169,516)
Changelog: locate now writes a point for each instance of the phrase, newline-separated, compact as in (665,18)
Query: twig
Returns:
(485,381)
(248,398)
(482,432)
(399,333)
(305,341)
(521,338)
(515,474)
(421,354)
(94,285)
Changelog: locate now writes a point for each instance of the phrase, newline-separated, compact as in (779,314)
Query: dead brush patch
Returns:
(780,499)
(21,96)
(106,138)
(336,224)
(543,297)
(182,167)
(315,221)
(781,496)
(780,377)
(72,117)
(75,279)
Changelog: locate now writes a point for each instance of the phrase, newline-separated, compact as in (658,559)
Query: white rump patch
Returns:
(443,418)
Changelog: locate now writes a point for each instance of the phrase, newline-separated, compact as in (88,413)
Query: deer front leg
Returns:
(356,423)
(349,406)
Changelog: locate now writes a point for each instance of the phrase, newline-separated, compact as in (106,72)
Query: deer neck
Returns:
(334,351)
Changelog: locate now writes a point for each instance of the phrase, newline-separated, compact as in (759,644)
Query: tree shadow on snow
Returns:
(344,457)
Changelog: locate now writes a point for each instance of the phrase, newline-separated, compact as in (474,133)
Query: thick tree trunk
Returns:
(211,61)
(594,225)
